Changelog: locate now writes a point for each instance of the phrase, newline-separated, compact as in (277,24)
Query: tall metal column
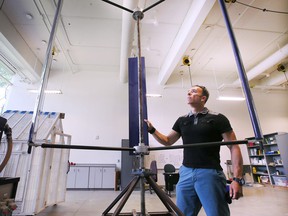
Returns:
(245,85)
(242,75)
(44,78)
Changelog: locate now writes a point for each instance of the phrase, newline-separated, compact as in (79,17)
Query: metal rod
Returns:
(123,192)
(169,204)
(84,147)
(140,86)
(126,196)
(44,79)
(153,5)
(142,186)
(243,76)
(119,6)
(245,84)
(208,144)
(44,145)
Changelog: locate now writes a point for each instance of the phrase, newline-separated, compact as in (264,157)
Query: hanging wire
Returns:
(182,80)
(286,76)
(190,75)
(262,9)
(187,61)
(218,93)
(2,3)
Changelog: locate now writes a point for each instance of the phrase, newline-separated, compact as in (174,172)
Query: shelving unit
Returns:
(269,166)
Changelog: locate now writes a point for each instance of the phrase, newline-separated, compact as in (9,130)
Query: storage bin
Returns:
(280,181)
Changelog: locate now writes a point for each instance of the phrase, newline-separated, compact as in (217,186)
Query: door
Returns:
(82,177)
(71,178)
(95,177)
(108,177)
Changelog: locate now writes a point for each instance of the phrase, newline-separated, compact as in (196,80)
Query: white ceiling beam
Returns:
(128,25)
(189,28)
(275,79)
(269,62)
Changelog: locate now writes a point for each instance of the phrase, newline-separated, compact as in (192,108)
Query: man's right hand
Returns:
(149,124)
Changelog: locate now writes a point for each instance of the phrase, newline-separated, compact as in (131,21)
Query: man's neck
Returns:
(197,109)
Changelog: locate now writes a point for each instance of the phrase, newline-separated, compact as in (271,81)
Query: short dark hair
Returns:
(205,92)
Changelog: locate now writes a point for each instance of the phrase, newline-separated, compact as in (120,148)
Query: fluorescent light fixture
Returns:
(223,98)
(153,95)
(46,91)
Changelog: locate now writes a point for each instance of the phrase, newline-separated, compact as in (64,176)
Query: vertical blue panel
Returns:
(134,102)
(145,113)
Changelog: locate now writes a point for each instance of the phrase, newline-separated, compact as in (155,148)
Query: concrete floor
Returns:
(262,201)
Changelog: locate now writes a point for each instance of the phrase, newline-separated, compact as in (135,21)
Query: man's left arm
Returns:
(237,165)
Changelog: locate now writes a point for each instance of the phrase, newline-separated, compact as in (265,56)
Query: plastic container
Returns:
(264,179)
(280,181)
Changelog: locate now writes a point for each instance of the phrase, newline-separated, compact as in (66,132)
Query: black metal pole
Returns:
(123,192)
(84,147)
(119,6)
(207,144)
(45,145)
(169,204)
(153,5)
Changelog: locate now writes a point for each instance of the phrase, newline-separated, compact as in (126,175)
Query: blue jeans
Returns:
(201,187)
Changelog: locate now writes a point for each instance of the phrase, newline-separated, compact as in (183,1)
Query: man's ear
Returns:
(203,98)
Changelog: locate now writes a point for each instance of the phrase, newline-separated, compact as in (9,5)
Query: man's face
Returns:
(194,95)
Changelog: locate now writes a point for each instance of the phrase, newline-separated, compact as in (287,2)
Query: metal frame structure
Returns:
(141,149)
(43,173)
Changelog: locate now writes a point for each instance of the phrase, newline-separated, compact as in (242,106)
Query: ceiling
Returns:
(97,36)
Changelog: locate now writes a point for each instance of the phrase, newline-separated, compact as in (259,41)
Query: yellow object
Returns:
(186,60)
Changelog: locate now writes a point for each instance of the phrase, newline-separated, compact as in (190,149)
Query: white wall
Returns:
(96,104)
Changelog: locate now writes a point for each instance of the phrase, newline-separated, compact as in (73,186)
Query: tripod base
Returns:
(168,203)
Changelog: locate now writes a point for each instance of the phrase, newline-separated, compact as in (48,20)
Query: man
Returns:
(202,181)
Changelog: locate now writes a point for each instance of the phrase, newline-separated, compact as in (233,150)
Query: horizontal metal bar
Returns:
(45,145)
(119,6)
(207,144)
(153,5)
(83,147)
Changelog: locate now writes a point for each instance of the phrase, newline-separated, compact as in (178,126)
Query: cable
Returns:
(285,76)
(190,76)
(7,156)
(2,3)
(187,61)
(262,9)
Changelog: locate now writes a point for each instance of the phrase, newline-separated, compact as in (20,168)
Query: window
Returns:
(6,75)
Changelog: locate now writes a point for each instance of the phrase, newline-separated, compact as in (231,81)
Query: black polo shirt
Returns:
(203,127)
